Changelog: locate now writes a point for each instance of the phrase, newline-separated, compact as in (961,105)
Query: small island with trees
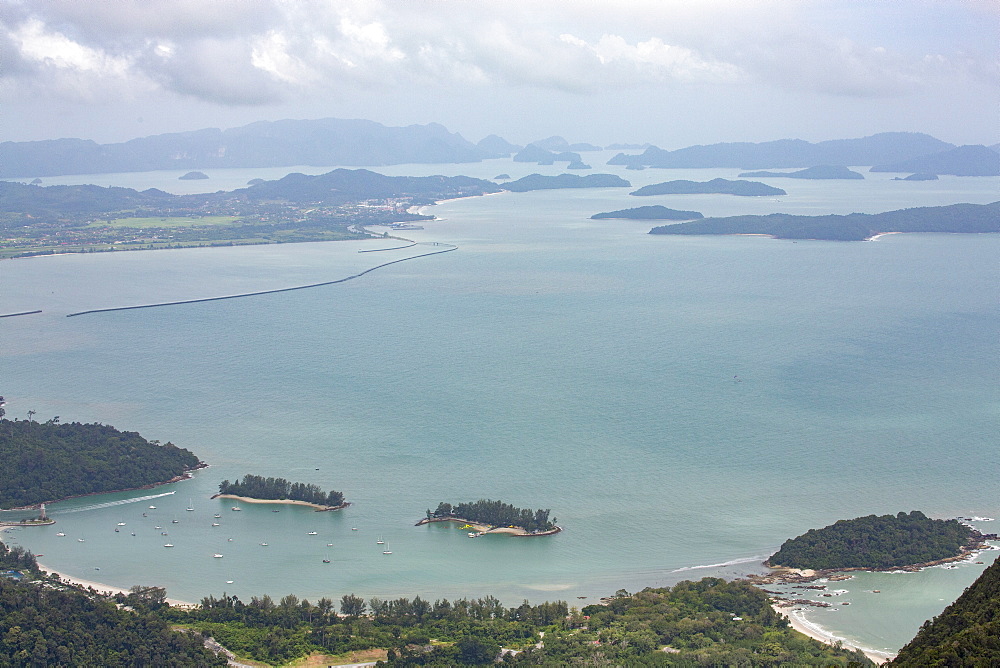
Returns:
(487,516)
(903,541)
(715,186)
(655,212)
(258,489)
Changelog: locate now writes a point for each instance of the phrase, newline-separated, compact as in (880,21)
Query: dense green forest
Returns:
(45,461)
(711,622)
(966,218)
(967,633)
(886,541)
(496,513)
(717,186)
(51,625)
(259,487)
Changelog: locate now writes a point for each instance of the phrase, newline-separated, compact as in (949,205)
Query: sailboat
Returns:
(190,506)
(386,550)
(380,541)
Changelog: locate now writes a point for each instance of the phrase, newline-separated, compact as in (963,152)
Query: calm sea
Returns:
(681,404)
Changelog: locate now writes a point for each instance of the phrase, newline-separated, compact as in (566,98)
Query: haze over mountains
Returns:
(332,141)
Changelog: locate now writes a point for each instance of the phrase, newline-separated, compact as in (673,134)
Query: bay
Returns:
(682,404)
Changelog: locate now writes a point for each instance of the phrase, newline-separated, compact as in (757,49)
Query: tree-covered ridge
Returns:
(961,218)
(46,461)
(655,212)
(495,513)
(55,626)
(259,487)
(967,633)
(886,541)
(710,622)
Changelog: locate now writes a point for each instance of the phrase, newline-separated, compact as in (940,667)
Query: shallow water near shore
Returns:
(682,404)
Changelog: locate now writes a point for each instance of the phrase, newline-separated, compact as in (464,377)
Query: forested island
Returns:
(954,218)
(819,172)
(965,634)
(655,212)
(495,517)
(877,542)
(715,186)
(539,182)
(259,488)
(959,161)
(48,461)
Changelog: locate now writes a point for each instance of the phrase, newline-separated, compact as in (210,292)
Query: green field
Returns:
(176,221)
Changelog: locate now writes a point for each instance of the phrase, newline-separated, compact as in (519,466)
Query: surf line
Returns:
(267,292)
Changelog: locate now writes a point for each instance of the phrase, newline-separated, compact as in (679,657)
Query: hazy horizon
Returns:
(669,73)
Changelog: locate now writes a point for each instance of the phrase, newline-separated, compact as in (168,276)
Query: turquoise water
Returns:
(682,404)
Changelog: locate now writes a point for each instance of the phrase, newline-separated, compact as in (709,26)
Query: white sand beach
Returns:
(804,626)
(104,588)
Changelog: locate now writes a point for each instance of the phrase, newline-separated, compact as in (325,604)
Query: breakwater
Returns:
(266,292)
(12,315)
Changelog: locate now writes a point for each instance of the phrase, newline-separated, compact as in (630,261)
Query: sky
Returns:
(669,72)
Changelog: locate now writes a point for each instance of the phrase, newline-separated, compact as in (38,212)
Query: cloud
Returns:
(255,52)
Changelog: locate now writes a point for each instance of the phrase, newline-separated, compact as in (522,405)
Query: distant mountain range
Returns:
(891,151)
(357,143)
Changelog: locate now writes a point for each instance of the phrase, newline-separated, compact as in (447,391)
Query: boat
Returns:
(168,545)
(217,556)
(329,544)
(386,550)
(215,524)
(237,509)
(133,533)
(152,507)
(190,506)
(380,541)
(121,524)
(163,533)
(326,561)
(275,511)
(311,533)
(229,582)
(263,544)
(175,521)
(116,529)
(354,528)
(79,540)
(157,527)
(60,534)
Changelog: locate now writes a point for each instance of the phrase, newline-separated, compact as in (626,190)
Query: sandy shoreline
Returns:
(486,528)
(284,502)
(798,622)
(102,587)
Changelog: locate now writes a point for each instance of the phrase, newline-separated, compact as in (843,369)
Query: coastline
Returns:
(186,475)
(481,528)
(286,502)
(817,632)
(102,588)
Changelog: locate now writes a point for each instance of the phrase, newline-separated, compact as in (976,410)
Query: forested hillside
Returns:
(45,461)
(886,541)
(967,633)
(495,513)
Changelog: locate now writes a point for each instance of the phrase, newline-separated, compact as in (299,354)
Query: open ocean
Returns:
(682,404)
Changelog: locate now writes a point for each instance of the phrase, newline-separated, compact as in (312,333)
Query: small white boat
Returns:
(60,534)
(152,507)
(380,541)
(174,521)
(215,524)
(229,582)
(157,527)
(121,524)
(354,528)
(326,561)
(329,544)
(168,545)
(237,509)
(190,506)
(217,515)
(311,533)
(79,540)
(263,544)
(217,556)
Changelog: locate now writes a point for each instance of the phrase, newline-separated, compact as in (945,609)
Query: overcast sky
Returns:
(670,72)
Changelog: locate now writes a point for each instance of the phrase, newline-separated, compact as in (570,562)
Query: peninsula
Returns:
(486,516)
(954,218)
(715,186)
(258,489)
(42,461)
(655,212)
(905,540)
